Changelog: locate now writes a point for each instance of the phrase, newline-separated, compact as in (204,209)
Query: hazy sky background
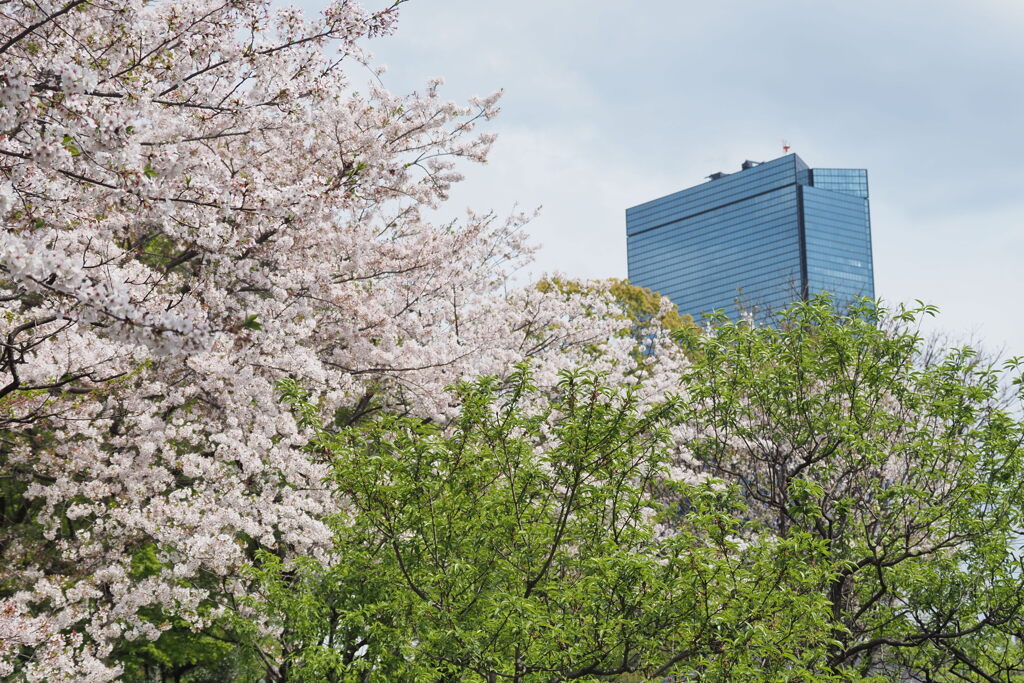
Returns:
(609,104)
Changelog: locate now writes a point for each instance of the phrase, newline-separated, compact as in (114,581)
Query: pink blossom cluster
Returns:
(196,202)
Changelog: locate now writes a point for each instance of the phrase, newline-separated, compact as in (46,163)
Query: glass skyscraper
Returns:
(756,240)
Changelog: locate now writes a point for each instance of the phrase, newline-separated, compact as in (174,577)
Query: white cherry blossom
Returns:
(197,200)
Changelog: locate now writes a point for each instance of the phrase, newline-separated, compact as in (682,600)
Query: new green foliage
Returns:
(536,539)
(904,460)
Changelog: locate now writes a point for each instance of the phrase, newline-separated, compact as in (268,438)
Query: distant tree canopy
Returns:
(639,304)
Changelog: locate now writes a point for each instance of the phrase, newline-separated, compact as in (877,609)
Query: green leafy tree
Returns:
(907,466)
(528,542)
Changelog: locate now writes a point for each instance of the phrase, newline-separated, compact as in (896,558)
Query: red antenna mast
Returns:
(785,147)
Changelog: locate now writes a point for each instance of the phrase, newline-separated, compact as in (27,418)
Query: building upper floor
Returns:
(753,179)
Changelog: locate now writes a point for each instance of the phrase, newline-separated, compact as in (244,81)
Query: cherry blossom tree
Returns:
(200,198)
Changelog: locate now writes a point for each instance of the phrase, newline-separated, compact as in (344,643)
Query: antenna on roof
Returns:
(785,147)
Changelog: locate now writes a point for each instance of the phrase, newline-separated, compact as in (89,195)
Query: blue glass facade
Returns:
(755,240)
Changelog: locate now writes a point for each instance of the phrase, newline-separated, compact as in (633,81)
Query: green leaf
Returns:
(69,144)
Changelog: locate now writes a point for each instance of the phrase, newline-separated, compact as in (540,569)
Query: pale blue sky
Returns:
(609,104)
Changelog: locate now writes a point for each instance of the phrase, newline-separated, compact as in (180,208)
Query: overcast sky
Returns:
(609,104)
